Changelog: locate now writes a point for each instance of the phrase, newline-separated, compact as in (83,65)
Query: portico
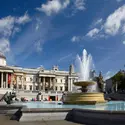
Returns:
(5,77)
(46,82)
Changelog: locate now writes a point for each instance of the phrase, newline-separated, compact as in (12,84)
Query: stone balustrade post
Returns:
(40,84)
(43,83)
(6,86)
(54,81)
(1,79)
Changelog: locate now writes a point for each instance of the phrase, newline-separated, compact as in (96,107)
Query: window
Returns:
(61,88)
(36,79)
(61,80)
(56,80)
(31,79)
(24,79)
(37,88)
(24,87)
(56,88)
(66,88)
(20,78)
(30,86)
(20,86)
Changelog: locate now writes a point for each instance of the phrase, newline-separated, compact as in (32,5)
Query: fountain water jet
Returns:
(89,88)
(84,65)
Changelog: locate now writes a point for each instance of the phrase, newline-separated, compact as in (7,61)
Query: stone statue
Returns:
(100,82)
(9,97)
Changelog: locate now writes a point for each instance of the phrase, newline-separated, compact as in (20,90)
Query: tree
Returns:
(119,80)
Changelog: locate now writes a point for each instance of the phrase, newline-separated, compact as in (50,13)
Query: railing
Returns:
(37,91)
(27,91)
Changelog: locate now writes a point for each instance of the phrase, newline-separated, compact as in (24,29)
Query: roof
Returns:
(6,68)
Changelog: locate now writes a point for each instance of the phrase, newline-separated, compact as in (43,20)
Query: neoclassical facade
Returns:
(35,80)
(40,79)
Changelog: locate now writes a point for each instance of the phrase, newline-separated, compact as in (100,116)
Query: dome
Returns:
(2,55)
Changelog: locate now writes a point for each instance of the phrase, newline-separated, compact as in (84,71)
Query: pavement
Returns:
(4,120)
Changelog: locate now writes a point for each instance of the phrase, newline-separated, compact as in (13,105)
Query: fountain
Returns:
(90,91)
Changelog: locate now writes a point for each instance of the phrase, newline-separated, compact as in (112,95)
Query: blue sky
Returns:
(43,32)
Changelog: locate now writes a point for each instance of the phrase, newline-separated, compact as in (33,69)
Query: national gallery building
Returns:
(28,82)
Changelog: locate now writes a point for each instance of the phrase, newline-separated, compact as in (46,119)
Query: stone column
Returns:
(54,81)
(43,83)
(50,82)
(22,79)
(17,83)
(1,79)
(6,80)
(40,84)
(11,83)
(69,82)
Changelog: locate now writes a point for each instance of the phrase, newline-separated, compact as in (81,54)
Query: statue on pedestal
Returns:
(100,82)
(8,98)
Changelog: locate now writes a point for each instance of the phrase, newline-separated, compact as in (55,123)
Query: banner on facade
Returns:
(9,78)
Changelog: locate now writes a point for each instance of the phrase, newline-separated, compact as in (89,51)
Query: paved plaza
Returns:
(4,120)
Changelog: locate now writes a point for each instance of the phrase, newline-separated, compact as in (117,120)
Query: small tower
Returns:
(71,69)
(100,76)
(41,68)
(55,68)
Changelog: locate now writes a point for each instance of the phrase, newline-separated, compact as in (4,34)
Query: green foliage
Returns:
(119,78)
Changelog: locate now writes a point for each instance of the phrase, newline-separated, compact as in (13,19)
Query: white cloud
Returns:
(38,24)
(6,26)
(4,45)
(99,21)
(118,0)
(103,48)
(23,19)
(114,21)
(114,24)
(79,4)
(108,75)
(54,6)
(123,28)
(92,32)
(123,42)
(65,57)
(31,40)
(38,46)
(15,30)
(75,38)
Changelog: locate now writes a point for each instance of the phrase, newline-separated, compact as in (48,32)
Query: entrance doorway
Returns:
(53,98)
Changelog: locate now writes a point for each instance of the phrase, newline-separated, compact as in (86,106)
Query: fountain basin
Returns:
(84,83)
(84,98)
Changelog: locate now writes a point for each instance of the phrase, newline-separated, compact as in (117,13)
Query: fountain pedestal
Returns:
(84,97)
